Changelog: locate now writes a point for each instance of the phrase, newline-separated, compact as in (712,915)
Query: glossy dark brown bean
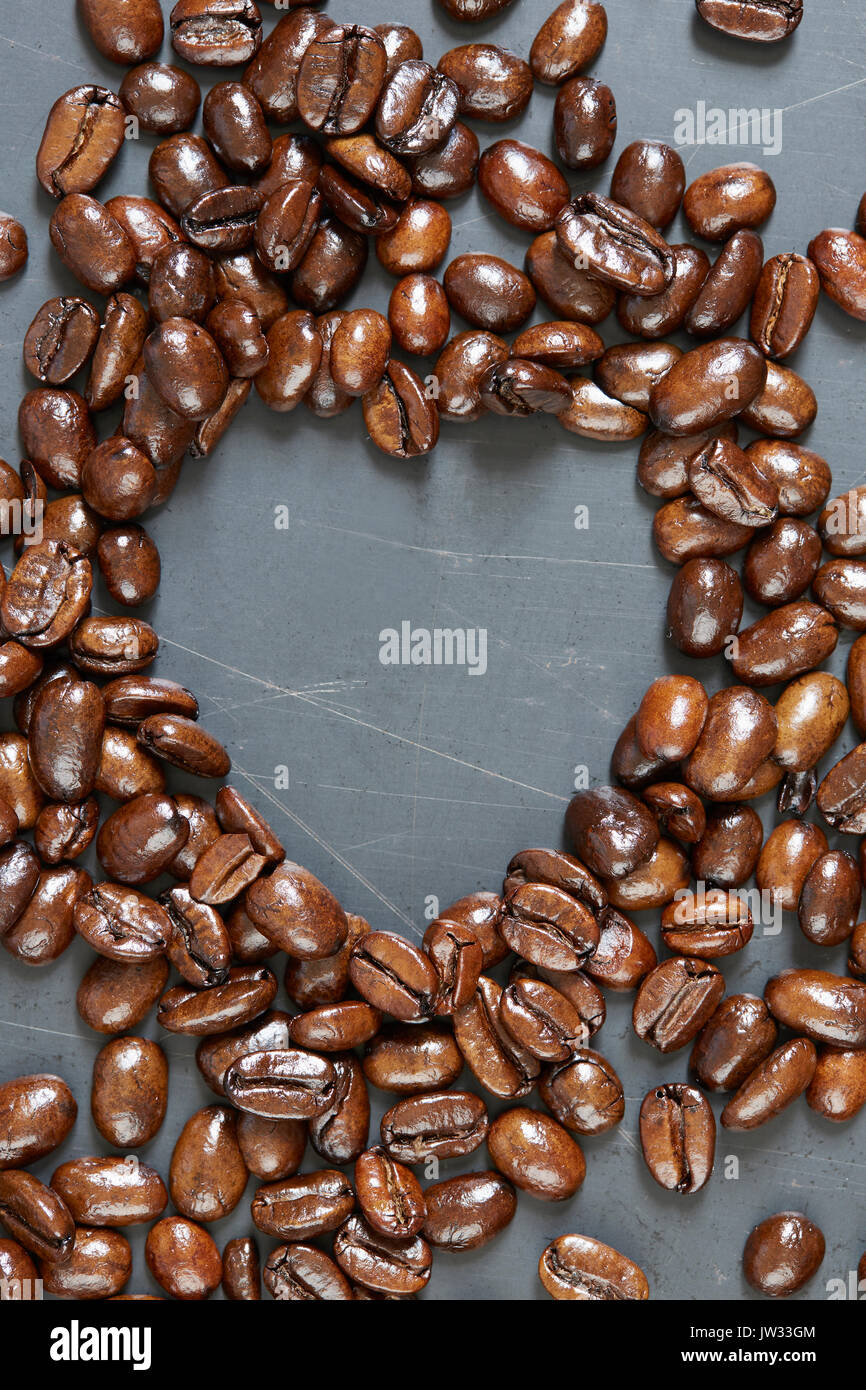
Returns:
(781,563)
(401,417)
(571,293)
(115,996)
(784,305)
(457,958)
(110,1191)
(445,1125)
(729,286)
(612,832)
(117,350)
(297,912)
(302,1273)
(333,263)
(36,1217)
(208,1175)
(584,123)
(825,1007)
(281,1084)
(568,40)
(389,1195)
(140,838)
(57,434)
(536,1154)
(710,384)
(494,84)
(247,992)
(13,246)
(548,927)
(707,923)
(129,1093)
(705,606)
(294,355)
(272,75)
(272,1149)
(774,1084)
(36,1114)
(738,734)
(735,1040)
(302,1208)
(614,245)
(761,21)
(241,1278)
(649,179)
(678,1137)
(783,1253)
(726,482)
(675,1001)
(582,1269)
(842,794)
(381,1263)
(466,1212)
(459,370)
(657,315)
(727,853)
(83,134)
(522,185)
(164,99)
(419,315)
(340,78)
(394,976)
(60,339)
(791,640)
(417,108)
(840,257)
(411,1058)
(92,244)
(837,1090)
(126,31)
(801,476)
(340,1133)
(583,1092)
(183,1258)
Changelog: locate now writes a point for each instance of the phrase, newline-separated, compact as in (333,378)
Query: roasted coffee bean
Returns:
(83,134)
(341,1132)
(334,261)
(18,668)
(612,832)
(13,246)
(801,476)
(181,1255)
(186,368)
(856,679)
(340,78)
(735,1040)
(840,585)
(419,315)
(115,996)
(60,339)
(147,226)
(536,1154)
(359,351)
(707,924)
(727,199)
(773,1085)
(184,744)
(786,860)
(140,838)
(294,354)
(584,124)
(323,397)
(710,384)
(450,170)
(118,480)
(124,32)
(302,1273)
(787,642)
(562,345)
(241,1278)
(272,1149)
(583,1269)
(182,169)
(837,1090)
(402,43)
(123,924)
(548,927)
(215,33)
(704,607)
(494,84)
(246,993)
(583,1092)
(459,371)
(223,220)
(488,292)
(297,912)
(829,902)
(840,257)
(559,870)
(17,1271)
(649,179)
(380,1262)
(235,125)
(36,1114)
(402,420)
(519,387)
(91,243)
(729,286)
(675,1000)
(208,1174)
(110,1191)
(181,286)
(64,832)
(458,959)
(678,1137)
(20,791)
(117,350)
(623,956)
(417,108)
(569,292)
(670,717)
(825,1007)
(315,982)
(411,1058)
(630,371)
(99,1266)
(272,75)
(568,40)
(784,305)
(302,1208)
(358,207)
(727,852)
(45,927)
(738,734)
(658,880)
(65,738)
(596,415)
(629,764)
(289,218)
(782,1253)
(57,433)
(394,976)
(366,160)
(657,315)
(782,563)
(199,946)
(163,99)
(466,1212)
(130,565)
(281,1084)
(237,332)
(522,185)
(125,769)
(336,1027)
(444,1125)
(614,244)
(785,407)
(37,1217)
(685,530)
(215,1055)
(129,1093)
(540,1019)
(762,21)
(677,810)
(389,1195)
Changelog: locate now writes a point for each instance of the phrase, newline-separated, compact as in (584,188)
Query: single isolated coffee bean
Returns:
(782,1254)
(678,1137)
(761,21)
(582,1269)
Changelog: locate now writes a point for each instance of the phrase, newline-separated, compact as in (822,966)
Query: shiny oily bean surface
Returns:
(419,315)
(241,1279)
(727,291)
(302,1273)
(110,1191)
(583,1269)
(37,1217)
(522,185)
(389,1195)
(410,1058)
(611,831)
(707,923)
(678,1137)
(792,848)
(840,256)
(675,1000)
(727,199)
(281,1083)
(568,40)
(115,996)
(825,1007)
(704,606)
(129,1092)
(36,1114)
(488,292)
(340,1133)
(649,179)
(736,1039)
(303,1208)
(657,315)
(82,136)
(536,1154)
(246,993)
(540,1019)
(614,244)
(837,1090)
(829,904)
(493,83)
(785,302)
(782,1253)
(163,98)
(447,1124)
(466,1212)
(381,1263)
(760,21)
(583,1092)
(786,643)
(548,927)
(393,976)
(570,293)
(781,563)
(183,1258)
(774,1084)
(738,734)
(708,385)
(584,122)
(99,1267)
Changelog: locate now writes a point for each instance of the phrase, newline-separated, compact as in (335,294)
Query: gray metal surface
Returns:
(412,783)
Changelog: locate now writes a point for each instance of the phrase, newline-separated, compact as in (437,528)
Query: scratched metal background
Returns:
(419,782)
